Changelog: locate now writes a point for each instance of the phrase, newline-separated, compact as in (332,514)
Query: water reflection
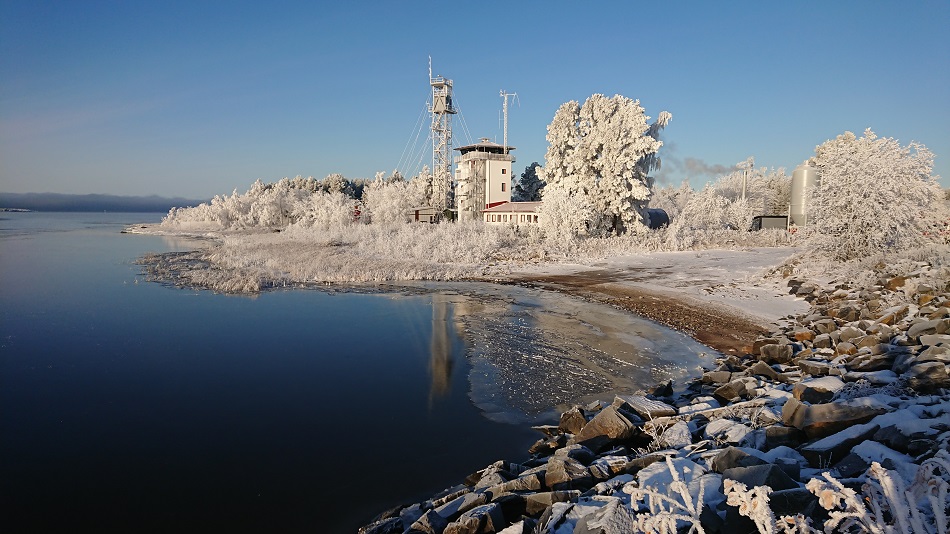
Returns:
(440,348)
(529,353)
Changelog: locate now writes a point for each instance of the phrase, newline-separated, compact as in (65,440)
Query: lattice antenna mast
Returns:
(442,110)
(504,108)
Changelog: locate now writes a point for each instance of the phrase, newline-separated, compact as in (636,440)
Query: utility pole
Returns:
(504,108)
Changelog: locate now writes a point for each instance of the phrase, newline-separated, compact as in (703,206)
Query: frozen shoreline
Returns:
(693,292)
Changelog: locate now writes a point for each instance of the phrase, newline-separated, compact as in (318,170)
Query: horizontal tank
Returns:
(804,179)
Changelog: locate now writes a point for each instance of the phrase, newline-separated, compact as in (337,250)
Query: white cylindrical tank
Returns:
(804,179)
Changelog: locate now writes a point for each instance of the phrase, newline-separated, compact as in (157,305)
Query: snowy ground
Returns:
(729,279)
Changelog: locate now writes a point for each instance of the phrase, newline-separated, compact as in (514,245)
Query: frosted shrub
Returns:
(719,216)
(262,206)
(665,512)
(326,211)
(564,217)
(875,195)
(389,202)
(671,199)
(885,505)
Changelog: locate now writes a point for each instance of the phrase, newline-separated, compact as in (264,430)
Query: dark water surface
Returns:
(128,406)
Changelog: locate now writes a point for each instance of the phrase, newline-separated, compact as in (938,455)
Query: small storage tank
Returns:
(804,179)
(658,218)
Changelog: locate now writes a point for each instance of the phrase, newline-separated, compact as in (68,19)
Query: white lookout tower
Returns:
(484,177)
(442,110)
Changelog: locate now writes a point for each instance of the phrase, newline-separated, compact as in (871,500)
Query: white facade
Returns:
(483,175)
(512,213)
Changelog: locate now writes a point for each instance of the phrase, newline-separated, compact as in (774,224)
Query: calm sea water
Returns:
(128,406)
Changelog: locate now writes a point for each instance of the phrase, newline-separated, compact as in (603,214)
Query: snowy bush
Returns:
(874,196)
(275,205)
(605,149)
(718,215)
(671,199)
(390,201)
(326,211)
(563,217)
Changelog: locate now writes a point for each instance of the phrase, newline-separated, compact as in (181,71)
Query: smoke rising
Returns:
(675,169)
(695,166)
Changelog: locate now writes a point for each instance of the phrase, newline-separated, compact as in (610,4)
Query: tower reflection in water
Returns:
(441,345)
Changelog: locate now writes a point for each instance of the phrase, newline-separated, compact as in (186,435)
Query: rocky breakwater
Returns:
(838,422)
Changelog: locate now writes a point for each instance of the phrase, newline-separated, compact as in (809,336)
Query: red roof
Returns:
(514,207)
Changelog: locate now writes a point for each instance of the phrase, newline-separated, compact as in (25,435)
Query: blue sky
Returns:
(197,98)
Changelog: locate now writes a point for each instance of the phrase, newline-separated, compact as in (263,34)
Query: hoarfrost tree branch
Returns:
(606,150)
(874,196)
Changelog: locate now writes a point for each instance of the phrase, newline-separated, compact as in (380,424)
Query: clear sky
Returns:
(200,97)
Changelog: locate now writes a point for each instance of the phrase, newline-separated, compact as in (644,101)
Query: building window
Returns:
(504,171)
(535,218)
(503,184)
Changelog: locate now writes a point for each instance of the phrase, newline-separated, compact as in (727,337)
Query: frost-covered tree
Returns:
(336,183)
(874,196)
(389,201)
(606,149)
(421,185)
(717,212)
(528,188)
(768,191)
(671,199)
(327,211)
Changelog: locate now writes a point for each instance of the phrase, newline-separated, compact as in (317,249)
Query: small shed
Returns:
(765,222)
(424,214)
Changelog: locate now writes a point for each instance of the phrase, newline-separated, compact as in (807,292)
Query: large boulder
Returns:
(830,449)
(461,504)
(922,327)
(644,407)
(822,420)
(482,519)
(817,390)
(572,421)
(430,523)
(927,376)
(613,518)
(761,475)
(566,473)
(814,367)
(608,424)
(732,457)
(776,353)
(535,503)
(726,431)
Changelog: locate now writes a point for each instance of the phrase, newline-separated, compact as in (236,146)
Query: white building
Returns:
(512,213)
(483,176)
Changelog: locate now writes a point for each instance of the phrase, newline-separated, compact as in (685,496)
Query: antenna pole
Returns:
(504,108)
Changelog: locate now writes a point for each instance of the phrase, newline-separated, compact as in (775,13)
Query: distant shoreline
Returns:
(58,202)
